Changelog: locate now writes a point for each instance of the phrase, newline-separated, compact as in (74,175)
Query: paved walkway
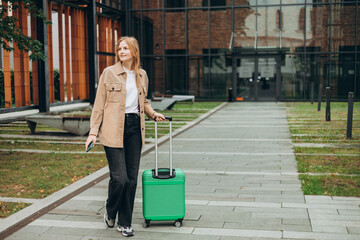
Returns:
(241,183)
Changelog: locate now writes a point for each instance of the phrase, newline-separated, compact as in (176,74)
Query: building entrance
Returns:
(257,78)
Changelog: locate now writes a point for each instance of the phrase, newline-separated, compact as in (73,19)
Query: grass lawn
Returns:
(305,119)
(328,150)
(331,185)
(7,208)
(37,175)
(325,139)
(328,164)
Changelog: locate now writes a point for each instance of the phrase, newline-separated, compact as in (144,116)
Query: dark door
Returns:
(257,78)
(266,82)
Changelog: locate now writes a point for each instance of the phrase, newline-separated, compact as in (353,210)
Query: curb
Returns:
(25,216)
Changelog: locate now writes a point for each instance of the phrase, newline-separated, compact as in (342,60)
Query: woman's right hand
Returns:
(91,138)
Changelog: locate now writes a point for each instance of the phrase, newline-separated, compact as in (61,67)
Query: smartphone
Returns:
(90,146)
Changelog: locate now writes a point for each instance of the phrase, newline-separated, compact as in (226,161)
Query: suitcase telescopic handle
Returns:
(170,150)
(168,118)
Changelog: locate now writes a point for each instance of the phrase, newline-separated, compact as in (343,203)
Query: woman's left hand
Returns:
(159,117)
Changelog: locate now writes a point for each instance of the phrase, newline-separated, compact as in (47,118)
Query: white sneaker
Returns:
(126,231)
(109,222)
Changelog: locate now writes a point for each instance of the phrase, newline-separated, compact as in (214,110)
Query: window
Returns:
(214,3)
(175,3)
(349,3)
(279,19)
(301,22)
(176,72)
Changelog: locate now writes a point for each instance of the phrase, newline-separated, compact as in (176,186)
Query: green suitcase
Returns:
(163,191)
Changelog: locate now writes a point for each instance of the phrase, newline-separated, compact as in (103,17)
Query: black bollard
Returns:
(328,117)
(350,115)
(312,92)
(230,95)
(319,98)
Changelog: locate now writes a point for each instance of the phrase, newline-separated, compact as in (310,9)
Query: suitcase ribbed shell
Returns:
(163,199)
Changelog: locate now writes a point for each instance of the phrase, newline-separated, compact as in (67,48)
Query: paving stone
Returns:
(98,218)
(217,186)
(68,232)
(215,209)
(254,205)
(279,200)
(357,199)
(295,192)
(244,190)
(260,221)
(276,195)
(295,221)
(96,191)
(73,212)
(256,180)
(225,217)
(348,212)
(278,215)
(336,223)
(201,223)
(224,190)
(252,238)
(252,226)
(320,216)
(28,236)
(237,232)
(206,195)
(281,177)
(330,200)
(320,236)
(99,238)
(266,209)
(33,230)
(354,230)
(267,225)
(321,206)
(314,211)
(218,197)
(326,229)
(173,236)
(293,227)
(81,205)
(53,216)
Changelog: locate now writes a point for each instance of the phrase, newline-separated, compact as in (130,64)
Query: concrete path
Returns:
(241,183)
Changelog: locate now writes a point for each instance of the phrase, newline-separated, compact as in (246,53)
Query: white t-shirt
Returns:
(132,99)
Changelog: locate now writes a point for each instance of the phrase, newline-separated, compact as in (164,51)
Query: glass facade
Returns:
(263,49)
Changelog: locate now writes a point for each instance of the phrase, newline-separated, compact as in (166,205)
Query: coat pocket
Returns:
(113,91)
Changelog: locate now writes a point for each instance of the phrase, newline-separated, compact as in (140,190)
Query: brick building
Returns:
(264,50)
(293,48)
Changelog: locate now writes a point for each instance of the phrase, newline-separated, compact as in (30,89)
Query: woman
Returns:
(118,118)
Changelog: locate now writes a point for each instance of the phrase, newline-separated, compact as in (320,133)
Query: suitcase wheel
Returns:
(178,223)
(146,224)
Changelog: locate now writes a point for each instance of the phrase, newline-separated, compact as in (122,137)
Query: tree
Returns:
(11,33)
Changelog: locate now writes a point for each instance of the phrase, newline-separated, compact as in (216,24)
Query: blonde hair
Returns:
(134,49)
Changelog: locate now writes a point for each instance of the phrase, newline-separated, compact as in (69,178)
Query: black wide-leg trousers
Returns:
(124,168)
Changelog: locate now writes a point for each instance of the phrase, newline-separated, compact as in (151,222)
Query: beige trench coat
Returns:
(108,115)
